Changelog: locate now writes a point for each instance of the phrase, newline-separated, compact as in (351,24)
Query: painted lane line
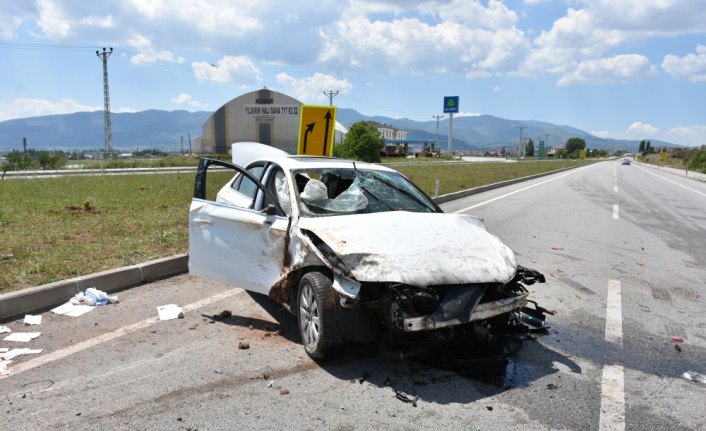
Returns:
(676,183)
(522,189)
(612,416)
(615,189)
(615,212)
(108,336)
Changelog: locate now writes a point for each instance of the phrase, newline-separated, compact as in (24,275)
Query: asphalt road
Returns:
(624,254)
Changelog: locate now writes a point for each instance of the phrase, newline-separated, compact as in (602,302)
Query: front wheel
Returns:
(316,312)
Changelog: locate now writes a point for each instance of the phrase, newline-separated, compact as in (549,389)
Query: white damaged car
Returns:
(354,250)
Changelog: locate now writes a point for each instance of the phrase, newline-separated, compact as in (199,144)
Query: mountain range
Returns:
(165,130)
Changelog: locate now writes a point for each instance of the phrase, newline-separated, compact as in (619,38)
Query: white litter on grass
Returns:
(694,377)
(3,367)
(169,312)
(5,329)
(23,337)
(72,310)
(12,354)
(32,319)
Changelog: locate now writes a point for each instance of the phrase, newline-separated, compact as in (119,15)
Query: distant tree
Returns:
(573,146)
(362,142)
(529,149)
(642,146)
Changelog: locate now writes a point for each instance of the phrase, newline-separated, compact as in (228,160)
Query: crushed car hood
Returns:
(420,249)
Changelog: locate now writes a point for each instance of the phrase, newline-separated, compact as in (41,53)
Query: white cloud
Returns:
(148,55)
(687,135)
(52,19)
(691,67)
(617,69)
(459,37)
(238,69)
(311,89)
(642,130)
(26,107)
(185,99)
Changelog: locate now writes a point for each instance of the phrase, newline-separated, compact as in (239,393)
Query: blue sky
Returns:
(633,69)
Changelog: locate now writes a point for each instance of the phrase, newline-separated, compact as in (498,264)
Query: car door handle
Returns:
(202,221)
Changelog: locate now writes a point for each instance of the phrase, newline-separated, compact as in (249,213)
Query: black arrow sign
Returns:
(328,119)
(309,129)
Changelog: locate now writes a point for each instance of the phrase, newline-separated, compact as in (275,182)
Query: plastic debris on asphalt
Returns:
(5,329)
(83,302)
(93,296)
(694,377)
(7,356)
(32,319)
(23,337)
(72,310)
(169,312)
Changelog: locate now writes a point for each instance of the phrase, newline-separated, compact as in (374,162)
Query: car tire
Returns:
(316,315)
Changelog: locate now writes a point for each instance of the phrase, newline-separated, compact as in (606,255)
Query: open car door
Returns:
(232,241)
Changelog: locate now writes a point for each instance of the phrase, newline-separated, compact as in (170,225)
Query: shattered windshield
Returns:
(337,191)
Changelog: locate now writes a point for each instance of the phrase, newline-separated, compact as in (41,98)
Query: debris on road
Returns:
(7,356)
(169,312)
(694,377)
(284,391)
(23,337)
(5,329)
(72,310)
(243,345)
(677,339)
(93,296)
(31,319)
(3,368)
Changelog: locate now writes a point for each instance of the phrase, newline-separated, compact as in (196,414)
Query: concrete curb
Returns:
(47,296)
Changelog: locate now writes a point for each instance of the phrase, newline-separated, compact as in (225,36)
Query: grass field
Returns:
(56,228)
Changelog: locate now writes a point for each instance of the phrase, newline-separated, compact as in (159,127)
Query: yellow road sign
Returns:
(663,157)
(582,155)
(316,130)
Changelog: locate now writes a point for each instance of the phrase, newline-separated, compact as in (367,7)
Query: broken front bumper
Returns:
(479,312)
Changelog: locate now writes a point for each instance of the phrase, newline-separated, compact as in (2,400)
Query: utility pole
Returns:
(106,102)
(331,94)
(436,138)
(520,146)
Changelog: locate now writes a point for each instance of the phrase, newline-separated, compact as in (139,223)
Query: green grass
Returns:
(460,176)
(56,228)
(51,235)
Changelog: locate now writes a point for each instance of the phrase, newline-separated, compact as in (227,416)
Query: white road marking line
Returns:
(674,182)
(615,189)
(521,190)
(108,336)
(612,416)
(615,212)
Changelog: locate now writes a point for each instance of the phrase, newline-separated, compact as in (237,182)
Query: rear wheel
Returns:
(316,312)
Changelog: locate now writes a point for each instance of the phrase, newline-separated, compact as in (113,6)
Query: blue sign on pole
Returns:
(451,104)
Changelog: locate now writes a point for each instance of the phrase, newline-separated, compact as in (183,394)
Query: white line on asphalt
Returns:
(108,336)
(674,182)
(615,212)
(612,416)
(521,190)
(615,189)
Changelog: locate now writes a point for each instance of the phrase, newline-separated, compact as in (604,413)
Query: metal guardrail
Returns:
(96,172)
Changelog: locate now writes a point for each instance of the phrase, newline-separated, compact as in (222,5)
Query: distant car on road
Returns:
(625,161)
(355,251)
